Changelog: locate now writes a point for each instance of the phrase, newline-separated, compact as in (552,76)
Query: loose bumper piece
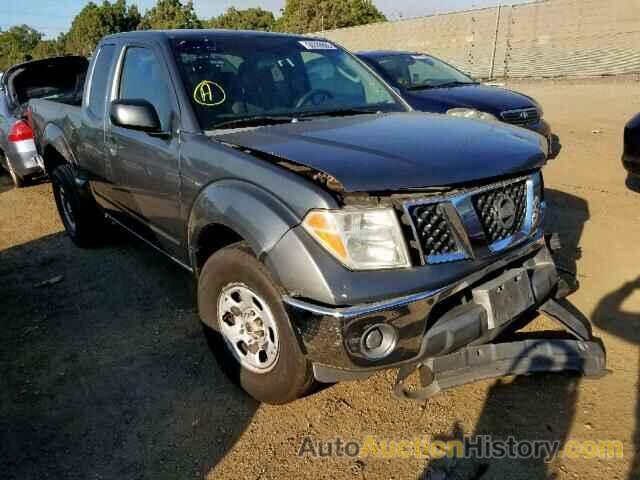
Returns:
(584,354)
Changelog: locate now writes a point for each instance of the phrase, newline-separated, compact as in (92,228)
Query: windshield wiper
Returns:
(345,112)
(425,86)
(456,84)
(440,85)
(254,121)
(263,120)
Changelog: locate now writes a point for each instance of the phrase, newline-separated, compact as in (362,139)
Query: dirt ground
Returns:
(105,375)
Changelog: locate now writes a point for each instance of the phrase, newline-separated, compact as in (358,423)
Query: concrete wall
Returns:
(551,38)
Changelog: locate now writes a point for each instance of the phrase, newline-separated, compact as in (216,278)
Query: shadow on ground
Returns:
(539,407)
(5,181)
(566,215)
(106,374)
(611,317)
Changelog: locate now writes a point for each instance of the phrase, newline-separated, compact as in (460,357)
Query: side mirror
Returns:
(135,114)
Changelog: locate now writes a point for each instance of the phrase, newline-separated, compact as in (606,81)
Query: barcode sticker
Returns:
(317,45)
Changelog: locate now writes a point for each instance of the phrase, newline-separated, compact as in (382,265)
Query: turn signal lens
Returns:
(368,239)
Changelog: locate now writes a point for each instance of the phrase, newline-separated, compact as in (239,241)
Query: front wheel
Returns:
(248,328)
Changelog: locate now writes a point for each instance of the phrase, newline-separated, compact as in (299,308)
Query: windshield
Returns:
(232,78)
(421,71)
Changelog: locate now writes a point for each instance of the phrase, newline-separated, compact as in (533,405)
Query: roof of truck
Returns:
(166,34)
(385,53)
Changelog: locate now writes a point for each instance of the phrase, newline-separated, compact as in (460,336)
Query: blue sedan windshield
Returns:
(421,71)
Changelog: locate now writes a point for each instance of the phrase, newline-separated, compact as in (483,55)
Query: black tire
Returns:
(291,377)
(83,221)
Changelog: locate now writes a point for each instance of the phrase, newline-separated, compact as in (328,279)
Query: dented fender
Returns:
(54,137)
(247,209)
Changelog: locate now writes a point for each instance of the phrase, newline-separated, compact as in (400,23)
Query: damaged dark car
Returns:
(333,232)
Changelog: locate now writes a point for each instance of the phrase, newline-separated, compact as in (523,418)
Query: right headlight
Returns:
(472,113)
(367,239)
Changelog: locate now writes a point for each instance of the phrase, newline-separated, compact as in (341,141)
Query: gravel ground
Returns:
(105,374)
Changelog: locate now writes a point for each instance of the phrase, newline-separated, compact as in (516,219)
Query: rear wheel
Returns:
(248,328)
(82,219)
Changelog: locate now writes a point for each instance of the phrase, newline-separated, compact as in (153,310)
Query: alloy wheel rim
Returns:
(67,209)
(248,328)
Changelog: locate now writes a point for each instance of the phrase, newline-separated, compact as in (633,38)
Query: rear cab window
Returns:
(99,81)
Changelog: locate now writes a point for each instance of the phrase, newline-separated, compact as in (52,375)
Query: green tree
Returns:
(49,48)
(169,15)
(16,45)
(304,16)
(249,19)
(95,21)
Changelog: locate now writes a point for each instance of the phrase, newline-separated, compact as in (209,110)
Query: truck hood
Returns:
(399,151)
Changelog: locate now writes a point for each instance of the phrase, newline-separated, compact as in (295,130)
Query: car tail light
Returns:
(20,130)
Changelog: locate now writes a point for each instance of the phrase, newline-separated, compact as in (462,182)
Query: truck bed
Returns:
(54,98)
(44,113)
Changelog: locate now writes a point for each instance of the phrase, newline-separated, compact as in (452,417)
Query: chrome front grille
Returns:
(523,116)
(475,223)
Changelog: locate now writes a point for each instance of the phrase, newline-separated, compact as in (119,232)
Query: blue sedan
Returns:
(431,85)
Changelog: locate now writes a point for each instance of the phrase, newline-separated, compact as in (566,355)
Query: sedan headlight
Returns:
(367,239)
(471,113)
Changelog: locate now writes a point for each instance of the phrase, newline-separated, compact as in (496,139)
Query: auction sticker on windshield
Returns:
(209,94)
(317,45)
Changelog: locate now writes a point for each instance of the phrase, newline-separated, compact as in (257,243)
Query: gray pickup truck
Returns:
(333,232)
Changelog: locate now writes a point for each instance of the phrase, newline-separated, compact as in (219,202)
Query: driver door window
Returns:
(143,78)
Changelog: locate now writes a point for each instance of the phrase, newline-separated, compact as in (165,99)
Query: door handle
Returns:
(112,146)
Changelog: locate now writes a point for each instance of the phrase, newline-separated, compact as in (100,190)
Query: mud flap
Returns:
(585,355)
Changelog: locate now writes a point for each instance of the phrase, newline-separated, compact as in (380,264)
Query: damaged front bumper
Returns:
(438,326)
(583,354)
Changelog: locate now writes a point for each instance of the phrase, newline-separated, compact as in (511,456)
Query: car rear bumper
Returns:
(422,325)
(23,158)
(631,155)
(632,164)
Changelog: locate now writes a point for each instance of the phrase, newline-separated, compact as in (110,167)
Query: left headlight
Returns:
(472,113)
(367,239)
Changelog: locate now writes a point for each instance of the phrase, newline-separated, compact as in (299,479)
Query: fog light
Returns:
(373,339)
(379,341)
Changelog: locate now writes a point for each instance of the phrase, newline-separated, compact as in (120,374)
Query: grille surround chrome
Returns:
(466,227)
